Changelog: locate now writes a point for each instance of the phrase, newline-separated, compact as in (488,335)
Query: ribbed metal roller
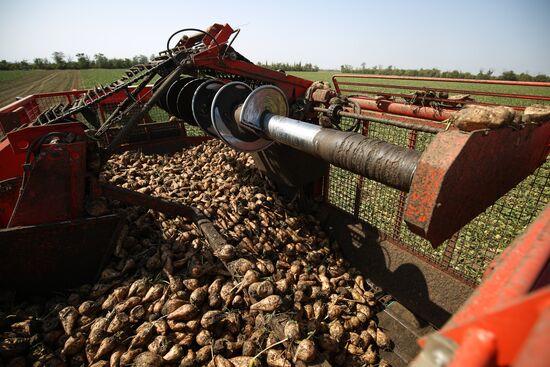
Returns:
(202,105)
(171,99)
(224,110)
(185,100)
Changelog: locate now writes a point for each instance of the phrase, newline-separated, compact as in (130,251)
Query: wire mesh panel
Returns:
(492,231)
(468,253)
(342,188)
(157,114)
(44,103)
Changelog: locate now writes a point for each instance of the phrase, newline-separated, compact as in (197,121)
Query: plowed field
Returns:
(21,83)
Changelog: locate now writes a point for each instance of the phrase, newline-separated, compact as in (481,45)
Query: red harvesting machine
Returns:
(392,169)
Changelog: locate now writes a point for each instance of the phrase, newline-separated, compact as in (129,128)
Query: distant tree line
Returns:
(289,67)
(99,61)
(82,61)
(489,74)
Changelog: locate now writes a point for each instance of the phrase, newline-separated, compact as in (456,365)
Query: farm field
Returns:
(20,83)
(92,77)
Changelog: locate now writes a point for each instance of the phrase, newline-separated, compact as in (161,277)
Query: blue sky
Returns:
(465,35)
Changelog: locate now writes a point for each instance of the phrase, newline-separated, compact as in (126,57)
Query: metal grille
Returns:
(468,253)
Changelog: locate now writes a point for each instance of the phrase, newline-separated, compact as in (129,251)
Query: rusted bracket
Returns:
(461,174)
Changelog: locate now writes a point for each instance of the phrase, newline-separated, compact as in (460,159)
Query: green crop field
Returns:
(92,77)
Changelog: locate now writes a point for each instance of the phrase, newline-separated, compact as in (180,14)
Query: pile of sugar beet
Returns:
(279,294)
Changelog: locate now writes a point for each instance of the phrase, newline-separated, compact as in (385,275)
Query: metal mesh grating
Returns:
(157,114)
(342,188)
(468,253)
(490,233)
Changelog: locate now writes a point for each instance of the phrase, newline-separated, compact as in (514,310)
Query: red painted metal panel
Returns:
(14,147)
(509,327)
(478,348)
(535,351)
(511,304)
(461,174)
(54,189)
(221,36)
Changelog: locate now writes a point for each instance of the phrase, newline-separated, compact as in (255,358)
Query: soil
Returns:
(37,81)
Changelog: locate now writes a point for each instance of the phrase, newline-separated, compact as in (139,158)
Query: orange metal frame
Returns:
(506,322)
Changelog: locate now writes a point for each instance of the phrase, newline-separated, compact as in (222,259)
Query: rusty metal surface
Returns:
(55,255)
(409,120)
(383,105)
(460,175)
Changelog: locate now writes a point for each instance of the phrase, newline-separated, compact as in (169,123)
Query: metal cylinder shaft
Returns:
(375,159)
